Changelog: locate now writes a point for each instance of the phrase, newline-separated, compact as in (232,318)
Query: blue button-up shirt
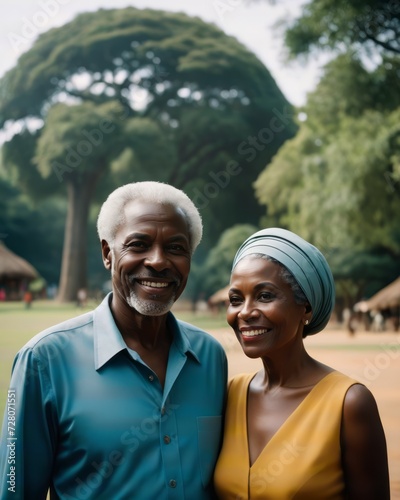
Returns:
(89,419)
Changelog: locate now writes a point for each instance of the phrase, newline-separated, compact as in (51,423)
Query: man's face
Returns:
(150,259)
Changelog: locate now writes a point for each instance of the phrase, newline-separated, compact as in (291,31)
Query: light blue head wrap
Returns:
(307,265)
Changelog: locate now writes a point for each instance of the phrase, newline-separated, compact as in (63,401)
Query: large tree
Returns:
(217,268)
(140,94)
(77,144)
(341,174)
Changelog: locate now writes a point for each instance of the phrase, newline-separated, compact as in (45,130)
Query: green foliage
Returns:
(345,90)
(217,268)
(33,232)
(18,166)
(348,90)
(337,182)
(78,140)
(111,49)
(367,25)
(362,160)
(351,182)
(182,99)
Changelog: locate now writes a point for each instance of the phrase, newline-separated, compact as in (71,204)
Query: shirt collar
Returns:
(180,337)
(108,340)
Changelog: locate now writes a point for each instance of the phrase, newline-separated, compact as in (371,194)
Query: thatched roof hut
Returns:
(15,273)
(219,298)
(387,298)
(12,266)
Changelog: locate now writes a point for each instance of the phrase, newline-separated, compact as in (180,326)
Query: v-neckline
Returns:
(284,424)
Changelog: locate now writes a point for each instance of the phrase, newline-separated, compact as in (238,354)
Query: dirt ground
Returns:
(371,358)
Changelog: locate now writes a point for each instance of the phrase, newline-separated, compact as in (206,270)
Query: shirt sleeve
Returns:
(28,440)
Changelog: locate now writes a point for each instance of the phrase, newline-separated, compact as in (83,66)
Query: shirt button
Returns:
(167,439)
(172,483)
(151,378)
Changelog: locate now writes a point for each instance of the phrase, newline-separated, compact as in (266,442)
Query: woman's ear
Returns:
(308,315)
(106,253)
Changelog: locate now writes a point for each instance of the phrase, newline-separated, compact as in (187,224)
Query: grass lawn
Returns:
(18,325)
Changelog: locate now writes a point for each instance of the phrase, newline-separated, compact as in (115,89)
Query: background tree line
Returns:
(337,182)
(123,95)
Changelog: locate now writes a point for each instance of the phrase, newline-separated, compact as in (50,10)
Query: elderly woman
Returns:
(297,428)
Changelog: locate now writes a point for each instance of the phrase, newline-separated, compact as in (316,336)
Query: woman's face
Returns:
(262,310)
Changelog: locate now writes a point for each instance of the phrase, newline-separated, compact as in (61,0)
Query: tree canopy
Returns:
(337,182)
(34,233)
(217,267)
(340,175)
(121,95)
(368,26)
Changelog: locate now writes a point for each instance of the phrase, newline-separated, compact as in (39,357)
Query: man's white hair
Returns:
(112,213)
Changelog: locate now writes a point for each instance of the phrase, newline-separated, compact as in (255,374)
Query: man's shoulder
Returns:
(198,336)
(53,333)
(189,328)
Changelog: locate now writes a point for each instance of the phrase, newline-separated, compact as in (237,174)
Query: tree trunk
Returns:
(74,261)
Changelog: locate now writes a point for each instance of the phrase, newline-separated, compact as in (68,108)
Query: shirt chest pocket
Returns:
(209,442)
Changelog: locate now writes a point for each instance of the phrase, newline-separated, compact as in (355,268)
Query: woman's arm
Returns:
(364,451)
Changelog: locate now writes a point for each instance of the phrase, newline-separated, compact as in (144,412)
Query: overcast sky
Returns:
(22,20)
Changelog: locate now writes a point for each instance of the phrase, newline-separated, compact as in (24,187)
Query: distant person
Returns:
(81,297)
(296,429)
(378,321)
(123,402)
(51,291)
(2,295)
(28,299)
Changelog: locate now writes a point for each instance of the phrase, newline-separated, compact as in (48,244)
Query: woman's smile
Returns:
(249,334)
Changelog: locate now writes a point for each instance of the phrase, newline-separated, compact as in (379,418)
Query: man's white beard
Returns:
(145,307)
(149,307)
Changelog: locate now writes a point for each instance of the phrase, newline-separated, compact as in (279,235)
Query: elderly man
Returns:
(126,401)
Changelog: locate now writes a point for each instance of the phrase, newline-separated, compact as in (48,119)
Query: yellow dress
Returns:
(303,458)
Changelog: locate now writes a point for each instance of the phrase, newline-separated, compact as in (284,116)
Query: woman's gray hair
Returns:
(112,214)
